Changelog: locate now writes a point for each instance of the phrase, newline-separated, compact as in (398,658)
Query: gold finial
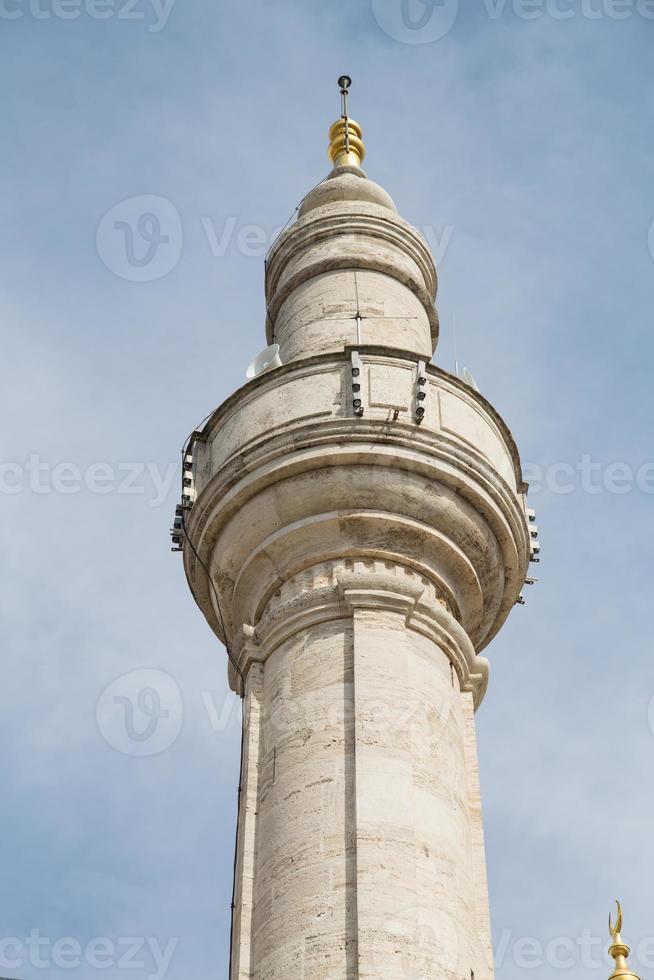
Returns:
(346,147)
(619,951)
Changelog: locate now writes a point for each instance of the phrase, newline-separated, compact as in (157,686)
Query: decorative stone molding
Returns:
(333,590)
(299,394)
(286,503)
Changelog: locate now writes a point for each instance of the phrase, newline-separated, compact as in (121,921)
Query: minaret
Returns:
(619,950)
(354,528)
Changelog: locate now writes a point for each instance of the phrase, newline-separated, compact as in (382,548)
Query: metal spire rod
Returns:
(344,82)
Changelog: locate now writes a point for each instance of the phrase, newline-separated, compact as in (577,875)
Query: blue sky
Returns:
(518,137)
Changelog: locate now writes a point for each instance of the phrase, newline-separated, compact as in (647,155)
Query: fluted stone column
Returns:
(359,515)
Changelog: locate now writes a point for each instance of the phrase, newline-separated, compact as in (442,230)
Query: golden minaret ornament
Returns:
(619,950)
(346,147)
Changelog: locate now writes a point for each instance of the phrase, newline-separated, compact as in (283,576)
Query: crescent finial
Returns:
(617,929)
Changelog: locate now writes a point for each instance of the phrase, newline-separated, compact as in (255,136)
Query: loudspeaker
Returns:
(265,361)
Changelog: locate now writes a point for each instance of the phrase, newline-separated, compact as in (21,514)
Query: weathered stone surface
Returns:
(346,184)
(288,477)
(365,864)
(350,253)
(363,562)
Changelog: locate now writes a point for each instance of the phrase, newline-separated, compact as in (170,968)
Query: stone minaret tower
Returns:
(354,529)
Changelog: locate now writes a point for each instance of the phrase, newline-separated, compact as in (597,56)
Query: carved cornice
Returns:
(322,485)
(341,444)
(335,590)
(247,394)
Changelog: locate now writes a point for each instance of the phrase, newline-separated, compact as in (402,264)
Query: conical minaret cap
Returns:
(619,950)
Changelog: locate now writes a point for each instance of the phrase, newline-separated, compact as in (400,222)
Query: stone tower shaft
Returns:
(361,517)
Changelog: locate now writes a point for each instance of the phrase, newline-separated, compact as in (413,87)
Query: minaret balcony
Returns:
(365,454)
